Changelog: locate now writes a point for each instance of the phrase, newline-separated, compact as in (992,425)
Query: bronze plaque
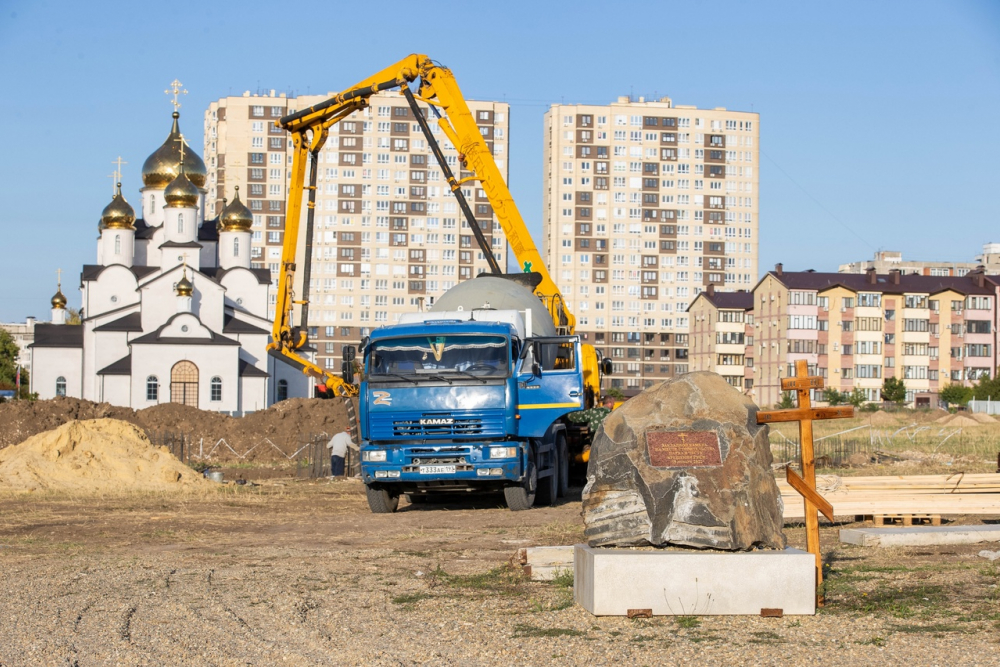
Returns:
(683,449)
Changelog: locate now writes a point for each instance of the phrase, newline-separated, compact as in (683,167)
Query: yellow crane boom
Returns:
(437,87)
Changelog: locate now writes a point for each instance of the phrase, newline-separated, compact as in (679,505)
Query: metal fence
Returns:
(828,453)
(311,457)
(987,407)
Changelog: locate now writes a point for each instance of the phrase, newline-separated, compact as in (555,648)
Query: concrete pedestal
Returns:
(613,582)
(920,536)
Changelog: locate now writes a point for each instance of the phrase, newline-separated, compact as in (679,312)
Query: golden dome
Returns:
(181,193)
(184,287)
(163,166)
(59,300)
(236,217)
(118,214)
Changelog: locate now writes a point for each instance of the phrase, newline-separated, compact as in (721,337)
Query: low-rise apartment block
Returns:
(885,261)
(722,335)
(856,330)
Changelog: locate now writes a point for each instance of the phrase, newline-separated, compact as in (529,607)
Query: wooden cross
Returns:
(806,485)
(177,88)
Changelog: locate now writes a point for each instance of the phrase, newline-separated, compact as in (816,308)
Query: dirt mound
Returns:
(267,434)
(982,418)
(957,420)
(93,455)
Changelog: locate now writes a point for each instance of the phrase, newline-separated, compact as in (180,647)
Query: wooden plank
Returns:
(817,500)
(799,414)
(789,384)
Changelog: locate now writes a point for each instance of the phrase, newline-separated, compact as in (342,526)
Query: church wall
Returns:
(113,289)
(152,206)
(115,389)
(117,247)
(254,348)
(100,349)
(253,394)
(50,363)
(211,360)
(299,384)
(244,290)
(159,301)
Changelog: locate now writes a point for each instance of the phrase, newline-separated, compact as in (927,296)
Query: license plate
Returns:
(437,470)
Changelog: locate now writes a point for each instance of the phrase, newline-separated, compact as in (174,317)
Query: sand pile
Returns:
(982,418)
(94,455)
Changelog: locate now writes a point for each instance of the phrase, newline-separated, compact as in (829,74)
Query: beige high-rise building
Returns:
(646,204)
(389,237)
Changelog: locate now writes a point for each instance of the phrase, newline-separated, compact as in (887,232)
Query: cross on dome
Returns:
(178,89)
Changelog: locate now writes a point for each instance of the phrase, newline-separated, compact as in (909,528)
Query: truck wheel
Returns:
(548,488)
(381,501)
(563,465)
(522,496)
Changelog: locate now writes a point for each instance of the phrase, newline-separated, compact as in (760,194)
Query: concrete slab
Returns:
(611,582)
(547,563)
(919,536)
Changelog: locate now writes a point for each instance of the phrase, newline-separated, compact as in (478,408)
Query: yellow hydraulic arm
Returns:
(437,88)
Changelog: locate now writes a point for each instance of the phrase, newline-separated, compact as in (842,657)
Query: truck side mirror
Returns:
(606,366)
(536,356)
(347,365)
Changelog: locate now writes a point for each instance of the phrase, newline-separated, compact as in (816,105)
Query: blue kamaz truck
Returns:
(469,400)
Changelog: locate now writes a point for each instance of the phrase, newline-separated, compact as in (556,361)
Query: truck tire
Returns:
(381,501)
(563,466)
(548,488)
(522,496)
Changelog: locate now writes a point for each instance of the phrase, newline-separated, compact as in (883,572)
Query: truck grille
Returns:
(417,426)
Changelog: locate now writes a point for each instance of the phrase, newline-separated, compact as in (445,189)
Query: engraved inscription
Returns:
(683,449)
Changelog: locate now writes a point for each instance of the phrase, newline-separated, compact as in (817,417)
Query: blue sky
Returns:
(879,120)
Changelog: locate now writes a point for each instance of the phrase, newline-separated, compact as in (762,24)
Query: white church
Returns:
(172,310)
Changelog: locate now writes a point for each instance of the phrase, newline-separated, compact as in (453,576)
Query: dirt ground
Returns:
(301,573)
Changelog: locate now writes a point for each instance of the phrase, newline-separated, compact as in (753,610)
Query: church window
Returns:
(152,388)
(118,244)
(180,223)
(236,247)
(282,390)
(61,386)
(216,388)
(151,208)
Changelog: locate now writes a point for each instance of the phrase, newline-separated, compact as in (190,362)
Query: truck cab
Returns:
(463,402)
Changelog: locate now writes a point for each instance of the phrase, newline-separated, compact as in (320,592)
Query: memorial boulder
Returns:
(683,463)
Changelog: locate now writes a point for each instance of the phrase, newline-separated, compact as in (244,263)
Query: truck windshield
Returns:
(434,355)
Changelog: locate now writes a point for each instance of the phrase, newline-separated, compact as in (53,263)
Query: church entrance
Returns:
(184,384)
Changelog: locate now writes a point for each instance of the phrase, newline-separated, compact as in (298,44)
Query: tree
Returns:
(955,394)
(986,389)
(615,393)
(834,397)
(894,391)
(74,316)
(786,402)
(8,358)
(857,398)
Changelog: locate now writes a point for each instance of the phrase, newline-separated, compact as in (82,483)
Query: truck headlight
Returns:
(373,455)
(503,452)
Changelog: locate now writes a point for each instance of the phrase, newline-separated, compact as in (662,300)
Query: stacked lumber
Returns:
(958,493)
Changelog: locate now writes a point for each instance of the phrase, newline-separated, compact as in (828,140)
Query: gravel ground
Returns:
(303,574)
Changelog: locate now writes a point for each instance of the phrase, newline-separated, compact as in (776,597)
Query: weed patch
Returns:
(688,622)
(410,598)
(526,630)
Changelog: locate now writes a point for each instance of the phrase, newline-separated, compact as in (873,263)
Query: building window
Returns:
(216,394)
(152,388)
(118,244)
(282,390)
(60,386)
(180,223)
(236,247)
